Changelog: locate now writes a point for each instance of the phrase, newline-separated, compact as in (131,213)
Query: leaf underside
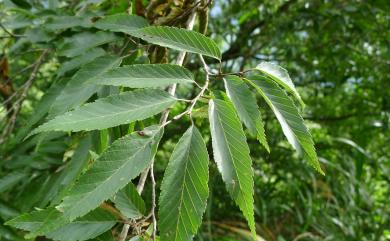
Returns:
(231,153)
(246,107)
(280,76)
(289,118)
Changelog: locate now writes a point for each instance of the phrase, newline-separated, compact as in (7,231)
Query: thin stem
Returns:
(171,90)
(197,97)
(153,202)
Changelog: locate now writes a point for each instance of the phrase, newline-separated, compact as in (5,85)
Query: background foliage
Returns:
(337,53)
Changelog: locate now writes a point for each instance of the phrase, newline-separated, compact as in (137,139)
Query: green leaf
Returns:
(80,43)
(289,118)
(280,76)
(124,23)
(107,236)
(124,160)
(111,111)
(74,167)
(77,90)
(145,75)
(179,39)
(129,202)
(184,189)
(64,22)
(40,110)
(11,179)
(90,226)
(79,61)
(246,107)
(231,153)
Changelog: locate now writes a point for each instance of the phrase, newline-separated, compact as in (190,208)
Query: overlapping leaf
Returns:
(111,111)
(64,22)
(77,91)
(145,75)
(79,61)
(184,189)
(280,76)
(246,107)
(289,118)
(10,180)
(91,225)
(79,43)
(231,153)
(121,23)
(129,202)
(125,159)
(179,39)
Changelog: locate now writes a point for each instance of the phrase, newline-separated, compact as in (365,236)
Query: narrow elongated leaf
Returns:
(111,111)
(41,109)
(91,225)
(231,153)
(122,22)
(64,22)
(129,202)
(79,61)
(280,76)
(79,43)
(246,107)
(77,91)
(125,159)
(289,118)
(10,180)
(179,39)
(184,189)
(145,75)
(74,167)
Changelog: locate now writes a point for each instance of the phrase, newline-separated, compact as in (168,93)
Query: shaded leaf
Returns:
(289,118)
(246,107)
(11,179)
(179,39)
(129,202)
(121,23)
(64,22)
(145,75)
(184,189)
(77,91)
(231,153)
(111,111)
(79,43)
(79,61)
(91,225)
(124,160)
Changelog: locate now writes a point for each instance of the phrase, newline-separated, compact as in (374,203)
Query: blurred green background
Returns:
(337,53)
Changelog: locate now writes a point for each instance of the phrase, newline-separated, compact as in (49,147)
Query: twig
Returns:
(18,103)
(196,99)
(153,202)
(6,30)
(171,90)
(11,35)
